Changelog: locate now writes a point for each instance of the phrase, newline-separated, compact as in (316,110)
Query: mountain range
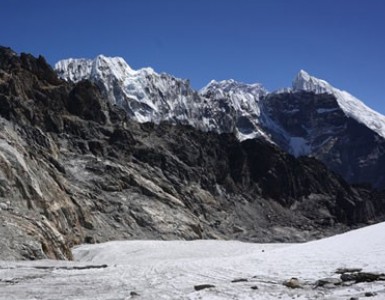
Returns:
(312,118)
(115,154)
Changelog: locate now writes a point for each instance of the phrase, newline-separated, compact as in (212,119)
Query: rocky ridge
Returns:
(74,169)
(312,118)
(315,125)
(147,96)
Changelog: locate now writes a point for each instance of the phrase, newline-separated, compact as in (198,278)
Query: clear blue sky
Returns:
(267,41)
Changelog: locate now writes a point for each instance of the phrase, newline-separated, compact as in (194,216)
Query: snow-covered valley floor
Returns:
(171,270)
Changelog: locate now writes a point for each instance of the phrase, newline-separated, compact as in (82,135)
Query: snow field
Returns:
(171,270)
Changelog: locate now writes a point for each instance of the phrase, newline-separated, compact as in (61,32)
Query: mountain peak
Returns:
(112,61)
(305,82)
(231,85)
(302,73)
(351,106)
(76,69)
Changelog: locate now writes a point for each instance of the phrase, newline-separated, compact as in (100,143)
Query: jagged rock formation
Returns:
(312,118)
(75,169)
(147,96)
(317,120)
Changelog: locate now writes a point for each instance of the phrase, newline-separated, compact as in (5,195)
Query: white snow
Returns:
(326,110)
(351,106)
(151,97)
(146,95)
(299,146)
(243,137)
(76,69)
(171,269)
(242,101)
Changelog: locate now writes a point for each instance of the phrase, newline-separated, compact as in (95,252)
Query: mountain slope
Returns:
(313,118)
(318,120)
(75,169)
(147,96)
(236,107)
(351,106)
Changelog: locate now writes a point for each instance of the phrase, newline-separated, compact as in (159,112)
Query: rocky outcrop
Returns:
(74,169)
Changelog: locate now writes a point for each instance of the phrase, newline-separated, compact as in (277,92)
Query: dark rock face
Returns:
(328,282)
(362,277)
(347,147)
(73,169)
(203,286)
(83,102)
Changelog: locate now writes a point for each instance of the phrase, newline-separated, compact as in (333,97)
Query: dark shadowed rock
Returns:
(347,270)
(362,277)
(203,286)
(370,294)
(83,101)
(328,282)
(346,146)
(239,280)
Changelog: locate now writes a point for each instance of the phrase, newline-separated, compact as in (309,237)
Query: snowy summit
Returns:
(312,118)
(352,106)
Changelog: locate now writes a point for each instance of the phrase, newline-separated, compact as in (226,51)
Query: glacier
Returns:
(171,270)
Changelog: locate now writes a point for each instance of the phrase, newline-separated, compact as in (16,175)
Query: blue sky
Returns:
(267,41)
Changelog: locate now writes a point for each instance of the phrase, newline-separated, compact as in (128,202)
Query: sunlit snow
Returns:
(171,270)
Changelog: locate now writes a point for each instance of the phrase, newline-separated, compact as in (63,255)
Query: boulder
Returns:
(203,286)
(293,283)
(347,270)
(362,277)
(328,282)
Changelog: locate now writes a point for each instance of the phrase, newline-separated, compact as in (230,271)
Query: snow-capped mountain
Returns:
(74,171)
(236,107)
(312,118)
(316,119)
(226,106)
(351,106)
(145,95)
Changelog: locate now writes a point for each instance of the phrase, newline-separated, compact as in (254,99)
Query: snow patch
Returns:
(299,146)
(326,110)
